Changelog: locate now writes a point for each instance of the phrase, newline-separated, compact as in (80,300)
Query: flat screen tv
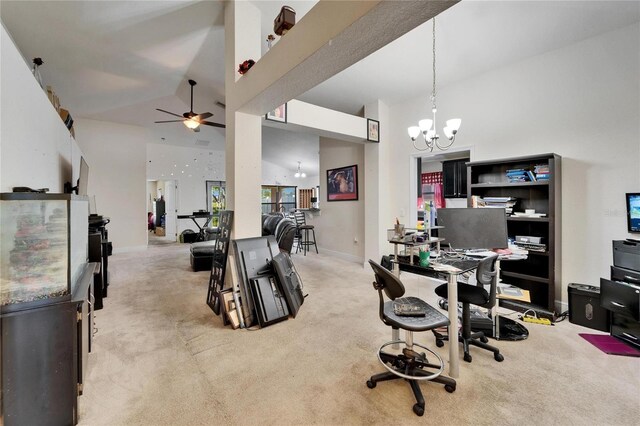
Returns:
(633,212)
(467,228)
(83,180)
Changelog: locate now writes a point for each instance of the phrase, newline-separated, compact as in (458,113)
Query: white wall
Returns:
(36,149)
(116,155)
(581,102)
(340,222)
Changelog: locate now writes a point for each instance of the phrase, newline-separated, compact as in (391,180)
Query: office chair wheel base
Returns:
(467,357)
(484,339)
(450,388)
(418,409)
(498,357)
(371,384)
(439,343)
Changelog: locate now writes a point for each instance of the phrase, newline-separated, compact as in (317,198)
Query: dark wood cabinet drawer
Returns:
(620,297)
(626,275)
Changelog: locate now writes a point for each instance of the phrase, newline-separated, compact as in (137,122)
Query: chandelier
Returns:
(300,174)
(427,126)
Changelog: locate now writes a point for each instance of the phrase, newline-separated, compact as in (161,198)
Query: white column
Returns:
(376,186)
(243,156)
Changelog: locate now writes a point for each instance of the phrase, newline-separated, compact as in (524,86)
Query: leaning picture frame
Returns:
(342,184)
(373,130)
(279,114)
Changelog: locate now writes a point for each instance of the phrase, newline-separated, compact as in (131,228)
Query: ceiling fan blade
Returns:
(169,121)
(209,123)
(189,115)
(204,115)
(167,112)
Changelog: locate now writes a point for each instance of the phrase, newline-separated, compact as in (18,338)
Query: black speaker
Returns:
(585,309)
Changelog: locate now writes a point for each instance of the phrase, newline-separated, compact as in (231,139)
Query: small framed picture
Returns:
(279,114)
(373,130)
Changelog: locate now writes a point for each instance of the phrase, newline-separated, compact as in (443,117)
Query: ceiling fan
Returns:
(191,119)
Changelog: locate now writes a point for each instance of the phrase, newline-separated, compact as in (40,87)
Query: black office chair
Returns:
(486,274)
(409,365)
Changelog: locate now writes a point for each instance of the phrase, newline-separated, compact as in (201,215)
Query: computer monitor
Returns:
(83,180)
(482,228)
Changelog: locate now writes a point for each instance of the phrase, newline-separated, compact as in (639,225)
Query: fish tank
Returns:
(43,247)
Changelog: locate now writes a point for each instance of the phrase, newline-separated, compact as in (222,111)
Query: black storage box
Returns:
(585,309)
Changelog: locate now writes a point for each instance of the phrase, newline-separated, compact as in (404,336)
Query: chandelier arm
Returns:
(427,146)
(443,147)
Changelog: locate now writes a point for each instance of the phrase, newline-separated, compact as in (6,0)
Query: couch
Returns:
(284,229)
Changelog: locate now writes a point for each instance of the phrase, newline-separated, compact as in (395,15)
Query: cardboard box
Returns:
(160,231)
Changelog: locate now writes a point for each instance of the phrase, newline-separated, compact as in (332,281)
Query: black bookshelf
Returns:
(540,273)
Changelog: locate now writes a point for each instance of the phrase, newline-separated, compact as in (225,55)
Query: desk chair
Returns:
(409,365)
(486,274)
(302,234)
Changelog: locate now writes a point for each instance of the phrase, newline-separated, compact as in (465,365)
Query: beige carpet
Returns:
(161,357)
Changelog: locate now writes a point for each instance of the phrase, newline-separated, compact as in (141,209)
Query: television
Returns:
(84,177)
(633,212)
(468,228)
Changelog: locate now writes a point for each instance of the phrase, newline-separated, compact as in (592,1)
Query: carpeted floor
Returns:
(161,357)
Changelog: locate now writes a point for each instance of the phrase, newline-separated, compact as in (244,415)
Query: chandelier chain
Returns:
(433,92)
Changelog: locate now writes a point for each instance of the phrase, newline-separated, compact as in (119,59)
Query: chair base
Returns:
(410,366)
(474,339)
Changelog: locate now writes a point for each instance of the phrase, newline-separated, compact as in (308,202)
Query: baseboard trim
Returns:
(350,257)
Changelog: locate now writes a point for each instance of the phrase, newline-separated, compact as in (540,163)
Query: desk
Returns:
(207,218)
(452,288)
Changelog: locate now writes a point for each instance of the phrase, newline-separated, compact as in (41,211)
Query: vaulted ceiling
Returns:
(119,60)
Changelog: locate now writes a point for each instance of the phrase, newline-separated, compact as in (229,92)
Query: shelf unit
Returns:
(540,273)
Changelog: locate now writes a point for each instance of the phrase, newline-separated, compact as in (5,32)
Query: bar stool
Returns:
(302,234)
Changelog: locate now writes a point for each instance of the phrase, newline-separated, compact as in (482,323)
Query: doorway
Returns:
(162,199)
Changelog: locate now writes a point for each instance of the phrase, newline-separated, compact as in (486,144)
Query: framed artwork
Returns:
(342,184)
(279,114)
(373,130)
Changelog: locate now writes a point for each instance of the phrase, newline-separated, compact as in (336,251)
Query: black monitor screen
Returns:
(633,212)
(484,228)
(84,177)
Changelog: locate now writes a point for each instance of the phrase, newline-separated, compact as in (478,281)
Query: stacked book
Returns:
(517,175)
(541,172)
(506,203)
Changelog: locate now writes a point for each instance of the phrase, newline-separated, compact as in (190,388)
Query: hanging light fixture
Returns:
(427,126)
(191,123)
(300,174)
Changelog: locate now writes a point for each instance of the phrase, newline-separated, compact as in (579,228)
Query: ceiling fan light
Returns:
(303,174)
(192,124)
(297,174)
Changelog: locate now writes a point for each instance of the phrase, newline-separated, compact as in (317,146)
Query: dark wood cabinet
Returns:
(454,176)
(540,272)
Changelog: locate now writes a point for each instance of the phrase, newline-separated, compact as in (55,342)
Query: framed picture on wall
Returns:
(279,114)
(373,130)
(342,184)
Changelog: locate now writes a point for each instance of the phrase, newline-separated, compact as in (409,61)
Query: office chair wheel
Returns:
(468,358)
(439,343)
(371,384)
(450,388)
(498,357)
(484,339)
(418,409)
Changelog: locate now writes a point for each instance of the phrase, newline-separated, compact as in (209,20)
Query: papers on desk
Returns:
(444,268)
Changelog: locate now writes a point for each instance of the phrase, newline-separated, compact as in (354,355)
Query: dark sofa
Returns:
(282,228)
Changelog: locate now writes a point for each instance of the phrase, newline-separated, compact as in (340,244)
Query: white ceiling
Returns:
(119,60)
